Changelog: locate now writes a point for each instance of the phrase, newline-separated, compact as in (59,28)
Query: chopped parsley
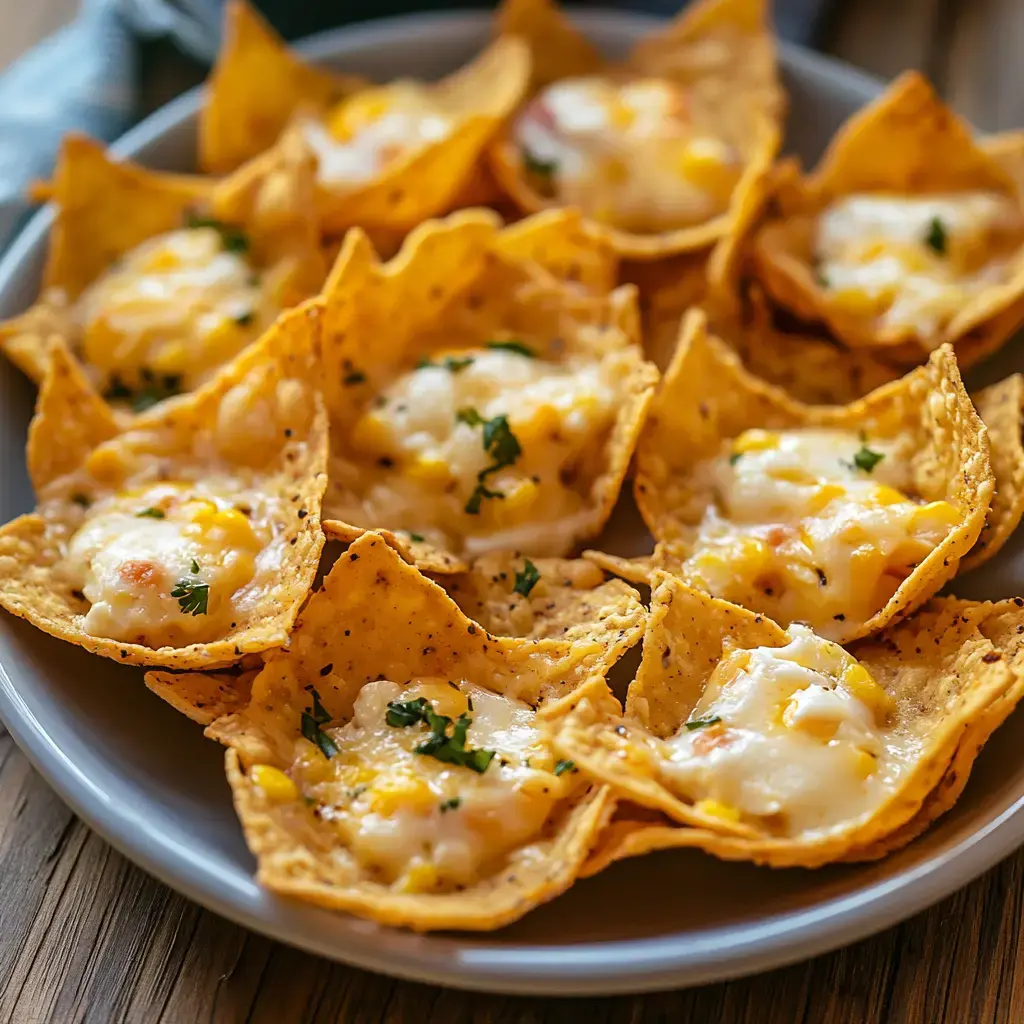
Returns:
(700,723)
(450,804)
(81,499)
(232,238)
(565,766)
(453,364)
(735,457)
(154,389)
(937,239)
(445,746)
(538,165)
(527,579)
(470,417)
(512,346)
(151,513)
(313,720)
(245,319)
(193,595)
(418,538)
(866,459)
(355,377)
(480,492)
(500,443)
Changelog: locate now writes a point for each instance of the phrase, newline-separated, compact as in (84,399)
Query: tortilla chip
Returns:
(1007,149)
(255,88)
(258,428)
(564,599)
(951,665)
(722,50)
(398,626)
(451,288)
(707,397)
(204,696)
(107,208)
(906,142)
(1001,408)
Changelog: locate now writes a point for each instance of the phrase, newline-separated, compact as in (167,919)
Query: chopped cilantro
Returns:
(700,723)
(735,457)
(453,364)
(450,804)
(81,499)
(565,766)
(469,416)
(538,165)
(449,748)
(151,513)
(232,238)
(245,319)
(154,389)
(936,239)
(866,459)
(527,579)
(195,565)
(418,538)
(355,377)
(117,390)
(513,346)
(193,595)
(500,442)
(401,713)
(480,492)
(312,721)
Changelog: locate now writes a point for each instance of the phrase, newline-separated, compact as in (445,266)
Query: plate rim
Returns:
(604,968)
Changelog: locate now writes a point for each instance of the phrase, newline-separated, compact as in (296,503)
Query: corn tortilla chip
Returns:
(906,145)
(227,480)
(203,696)
(400,626)
(952,665)
(940,454)
(720,52)
(452,320)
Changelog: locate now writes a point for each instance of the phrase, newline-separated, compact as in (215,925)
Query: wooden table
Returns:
(85,936)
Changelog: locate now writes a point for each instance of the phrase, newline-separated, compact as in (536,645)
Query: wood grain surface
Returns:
(85,936)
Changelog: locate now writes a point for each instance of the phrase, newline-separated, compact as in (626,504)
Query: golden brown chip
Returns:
(721,52)
(937,683)
(1007,149)
(488,329)
(191,539)
(294,753)
(707,397)
(119,226)
(906,147)
(203,696)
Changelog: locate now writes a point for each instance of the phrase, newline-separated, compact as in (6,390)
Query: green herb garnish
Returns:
(480,492)
(500,443)
(450,804)
(469,416)
(565,766)
(312,721)
(866,459)
(735,457)
(538,165)
(245,319)
(81,499)
(195,565)
(401,713)
(193,595)
(154,389)
(445,746)
(527,579)
(453,364)
(232,238)
(700,723)
(513,346)
(151,513)
(417,537)
(936,239)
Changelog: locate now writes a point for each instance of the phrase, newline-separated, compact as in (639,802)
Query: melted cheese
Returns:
(173,309)
(803,742)
(421,824)
(914,262)
(420,462)
(373,129)
(801,533)
(626,153)
(189,542)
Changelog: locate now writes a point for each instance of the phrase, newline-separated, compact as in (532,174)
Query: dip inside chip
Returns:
(815,525)
(627,153)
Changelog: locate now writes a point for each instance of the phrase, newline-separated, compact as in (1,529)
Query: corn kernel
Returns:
(105,465)
(446,699)
(275,784)
(428,470)
(540,427)
(706,162)
(401,791)
(371,434)
(939,516)
(419,877)
(860,684)
(100,343)
(224,340)
(824,496)
(792,475)
(755,441)
(717,809)
(886,495)
(519,499)
(622,115)
(822,729)
(353,115)
(864,764)
(160,260)
(172,358)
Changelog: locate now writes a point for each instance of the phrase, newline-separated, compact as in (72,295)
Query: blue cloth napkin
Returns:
(83,77)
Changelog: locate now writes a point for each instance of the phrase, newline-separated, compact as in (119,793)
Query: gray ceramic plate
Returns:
(147,781)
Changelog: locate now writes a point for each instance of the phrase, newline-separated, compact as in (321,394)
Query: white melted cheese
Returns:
(801,533)
(420,462)
(130,567)
(914,262)
(175,308)
(373,129)
(803,743)
(419,823)
(626,153)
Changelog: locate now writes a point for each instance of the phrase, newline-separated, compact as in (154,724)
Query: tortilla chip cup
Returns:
(156,280)
(354,725)
(476,405)
(709,78)
(907,236)
(390,156)
(727,734)
(191,539)
(843,517)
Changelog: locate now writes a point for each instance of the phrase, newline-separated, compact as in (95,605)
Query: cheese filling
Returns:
(366,133)
(161,566)
(915,262)
(626,153)
(431,785)
(797,740)
(486,448)
(172,311)
(811,526)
